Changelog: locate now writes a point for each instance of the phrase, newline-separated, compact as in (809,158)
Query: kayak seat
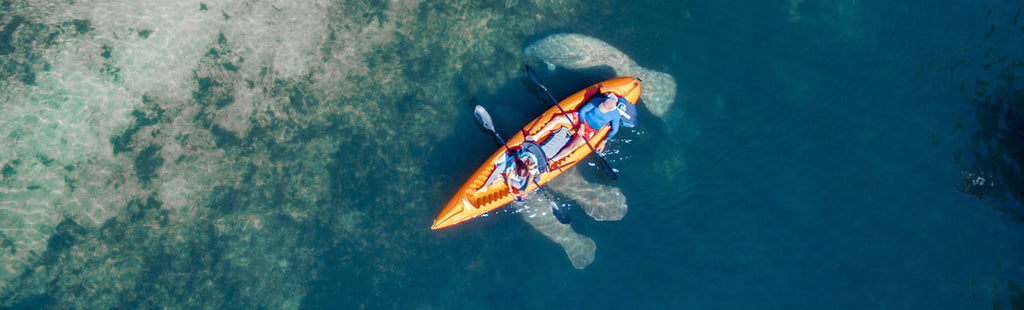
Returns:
(558,140)
(506,164)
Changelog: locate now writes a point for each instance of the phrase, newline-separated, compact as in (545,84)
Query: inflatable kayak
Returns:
(495,184)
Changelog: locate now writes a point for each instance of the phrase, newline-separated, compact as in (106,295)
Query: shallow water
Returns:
(293,155)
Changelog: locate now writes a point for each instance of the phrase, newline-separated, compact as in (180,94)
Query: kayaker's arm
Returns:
(586,109)
(615,128)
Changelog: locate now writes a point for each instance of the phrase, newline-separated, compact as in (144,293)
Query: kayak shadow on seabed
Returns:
(514,106)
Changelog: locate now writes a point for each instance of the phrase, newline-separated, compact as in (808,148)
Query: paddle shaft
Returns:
(544,89)
(507,149)
(555,210)
(485,119)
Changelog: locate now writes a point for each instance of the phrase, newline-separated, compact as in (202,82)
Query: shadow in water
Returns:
(993,156)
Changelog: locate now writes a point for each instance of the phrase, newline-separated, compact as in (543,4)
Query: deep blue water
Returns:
(225,154)
(820,166)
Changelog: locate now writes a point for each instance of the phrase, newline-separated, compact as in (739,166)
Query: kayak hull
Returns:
(477,197)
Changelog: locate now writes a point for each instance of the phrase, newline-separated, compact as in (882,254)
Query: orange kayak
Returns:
(489,187)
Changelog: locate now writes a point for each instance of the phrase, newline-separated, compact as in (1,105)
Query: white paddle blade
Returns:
(483,117)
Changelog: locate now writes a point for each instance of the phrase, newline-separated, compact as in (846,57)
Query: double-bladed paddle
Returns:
(607,168)
(485,120)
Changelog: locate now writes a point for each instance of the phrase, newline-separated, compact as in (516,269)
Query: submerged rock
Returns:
(582,53)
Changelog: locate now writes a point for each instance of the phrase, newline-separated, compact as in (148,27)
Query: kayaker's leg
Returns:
(577,142)
(558,120)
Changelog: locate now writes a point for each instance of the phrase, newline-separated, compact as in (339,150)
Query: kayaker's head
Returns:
(609,102)
(527,166)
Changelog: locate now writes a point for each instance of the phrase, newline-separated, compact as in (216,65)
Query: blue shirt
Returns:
(597,119)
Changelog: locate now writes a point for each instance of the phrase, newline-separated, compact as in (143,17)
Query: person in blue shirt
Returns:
(601,110)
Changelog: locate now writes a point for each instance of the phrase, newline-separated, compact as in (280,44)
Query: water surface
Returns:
(293,155)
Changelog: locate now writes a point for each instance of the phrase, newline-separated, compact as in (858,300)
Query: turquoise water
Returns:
(212,154)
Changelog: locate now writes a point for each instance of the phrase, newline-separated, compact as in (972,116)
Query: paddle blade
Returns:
(607,168)
(561,214)
(483,117)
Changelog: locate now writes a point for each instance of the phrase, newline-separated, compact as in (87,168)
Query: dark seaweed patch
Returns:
(202,6)
(229,66)
(1016,298)
(122,142)
(106,51)
(19,37)
(148,162)
(297,99)
(144,34)
(996,149)
(204,84)
(137,209)
(8,171)
(196,267)
(6,243)
(7,33)
(213,92)
(70,182)
(108,65)
(224,199)
(35,301)
(82,25)
(224,101)
(224,137)
(44,159)
(213,53)
(29,78)
(113,230)
(68,233)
